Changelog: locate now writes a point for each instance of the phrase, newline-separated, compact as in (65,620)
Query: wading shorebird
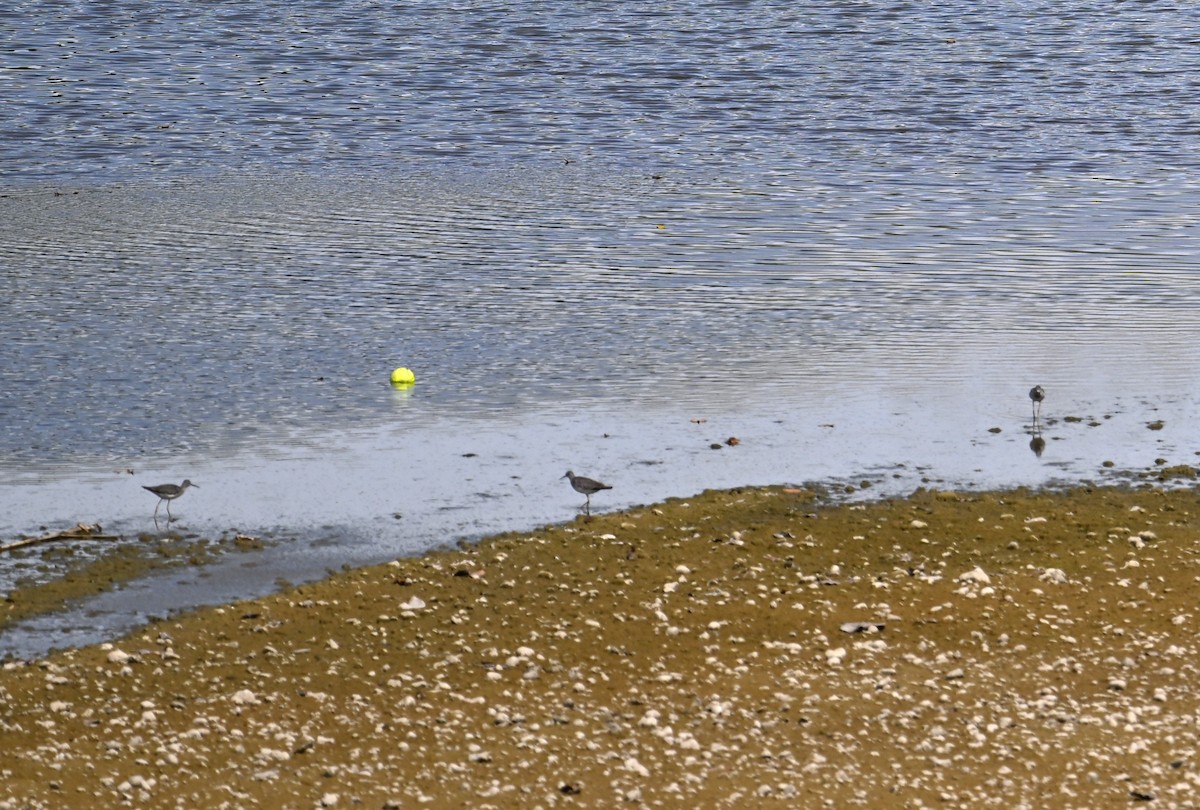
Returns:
(1036,395)
(585,486)
(168,493)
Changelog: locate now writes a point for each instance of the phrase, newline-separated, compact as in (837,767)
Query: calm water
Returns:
(851,234)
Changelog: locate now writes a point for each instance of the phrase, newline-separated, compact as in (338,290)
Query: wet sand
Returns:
(755,647)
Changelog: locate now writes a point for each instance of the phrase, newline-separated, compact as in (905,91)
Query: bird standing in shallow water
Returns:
(1036,395)
(585,486)
(168,493)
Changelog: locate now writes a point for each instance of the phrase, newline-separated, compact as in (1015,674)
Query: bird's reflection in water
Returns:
(1038,443)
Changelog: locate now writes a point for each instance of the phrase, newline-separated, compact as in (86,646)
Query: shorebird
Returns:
(585,486)
(168,493)
(1036,394)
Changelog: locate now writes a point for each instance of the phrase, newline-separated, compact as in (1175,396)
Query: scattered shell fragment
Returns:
(835,656)
(976,575)
(244,697)
(863,627)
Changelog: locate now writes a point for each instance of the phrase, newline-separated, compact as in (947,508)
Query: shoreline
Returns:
(1016,648)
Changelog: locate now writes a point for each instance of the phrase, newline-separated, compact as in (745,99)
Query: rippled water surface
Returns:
(605,236)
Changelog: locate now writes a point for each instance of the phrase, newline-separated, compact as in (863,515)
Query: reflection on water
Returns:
(863,92)
(146,321)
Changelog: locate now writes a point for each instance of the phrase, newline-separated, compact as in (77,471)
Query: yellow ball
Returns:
(403,376)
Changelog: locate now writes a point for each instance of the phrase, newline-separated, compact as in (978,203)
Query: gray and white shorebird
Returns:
(168,493)
(1036,395)
(585,486)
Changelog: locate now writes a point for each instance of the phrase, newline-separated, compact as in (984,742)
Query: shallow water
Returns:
(830,232)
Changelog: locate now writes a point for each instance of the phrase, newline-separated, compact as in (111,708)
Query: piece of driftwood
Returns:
(80,531)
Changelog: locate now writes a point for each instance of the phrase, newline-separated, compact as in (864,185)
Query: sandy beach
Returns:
(756,647)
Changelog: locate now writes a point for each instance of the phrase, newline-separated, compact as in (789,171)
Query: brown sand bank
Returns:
(1014,649)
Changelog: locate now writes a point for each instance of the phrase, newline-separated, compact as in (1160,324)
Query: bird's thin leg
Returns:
(169,518)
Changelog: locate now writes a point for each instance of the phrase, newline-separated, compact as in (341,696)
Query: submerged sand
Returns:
(757,647)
